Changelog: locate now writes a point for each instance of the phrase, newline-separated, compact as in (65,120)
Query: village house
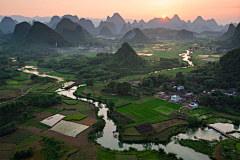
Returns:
(175,98)
(193,105)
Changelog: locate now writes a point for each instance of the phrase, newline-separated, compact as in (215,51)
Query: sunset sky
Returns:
(223,11)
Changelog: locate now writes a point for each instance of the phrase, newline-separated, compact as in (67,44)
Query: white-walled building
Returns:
(175,98)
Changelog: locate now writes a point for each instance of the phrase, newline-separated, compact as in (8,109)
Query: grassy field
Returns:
(197,112)
(175,71)
(80,107)
(135,124)
(105,155)
(164,110)
(131,131)
(75,117)
(156,119)
(148,111)
(144,113)
(220,120)
(129,108)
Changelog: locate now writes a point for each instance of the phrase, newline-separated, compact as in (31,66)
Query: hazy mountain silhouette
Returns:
(54,21)
(229,33)
(124,29)
(73,18)
(184,34)
(105,31)
(160,33)
(183,26)
(109,25)
(76,36)
(88,25)
(7,24)
(73,32)
(20,33)
(135,35)
(117,20)
(41,34)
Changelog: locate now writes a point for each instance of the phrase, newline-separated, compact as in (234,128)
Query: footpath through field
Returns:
(19,96)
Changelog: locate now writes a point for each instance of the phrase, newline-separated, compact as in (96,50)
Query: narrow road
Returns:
(19,96)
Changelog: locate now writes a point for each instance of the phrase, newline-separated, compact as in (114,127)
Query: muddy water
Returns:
(107,140)
(186,57)
(23,69)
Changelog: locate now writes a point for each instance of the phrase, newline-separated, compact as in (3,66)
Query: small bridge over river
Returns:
(220,131)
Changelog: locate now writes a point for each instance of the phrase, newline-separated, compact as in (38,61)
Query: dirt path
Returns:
(218,154)
(35,129)
(19,96)
(92,112)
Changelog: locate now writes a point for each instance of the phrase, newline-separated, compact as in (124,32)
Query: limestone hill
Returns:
(135,35)
(70,30)
(229,33)
(20,33)
(127,57)
(184,34)
(1,32)
(76,36)
(105,31)
(41,34)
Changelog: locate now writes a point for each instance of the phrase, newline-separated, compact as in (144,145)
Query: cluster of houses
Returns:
(213,50)
(224,51)
(181,95)
(96,49)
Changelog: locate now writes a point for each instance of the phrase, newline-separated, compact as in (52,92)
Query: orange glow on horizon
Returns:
(164,16)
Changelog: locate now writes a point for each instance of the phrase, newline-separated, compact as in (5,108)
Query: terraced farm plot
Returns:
(129,108)
(17,137)
(75,117)
(206,116)
(173,105)
(131,116)
(69,128)
(136,123)
(131,131)
(154,103)
(197,112)
(12,82)
(164,110)
(156,119)
(144,113)
(51,121)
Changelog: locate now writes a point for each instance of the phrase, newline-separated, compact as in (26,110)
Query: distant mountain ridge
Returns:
(72,31)
(135,35)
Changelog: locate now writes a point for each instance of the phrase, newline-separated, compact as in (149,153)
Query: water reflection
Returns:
(107,140)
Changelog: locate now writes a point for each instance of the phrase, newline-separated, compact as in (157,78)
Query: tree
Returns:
(111,105)
(21,63)
(89,82)
(193,121)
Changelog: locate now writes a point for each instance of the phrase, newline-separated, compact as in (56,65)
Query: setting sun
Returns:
(164,16)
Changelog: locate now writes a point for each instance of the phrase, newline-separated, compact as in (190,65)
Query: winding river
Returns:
(107,140)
